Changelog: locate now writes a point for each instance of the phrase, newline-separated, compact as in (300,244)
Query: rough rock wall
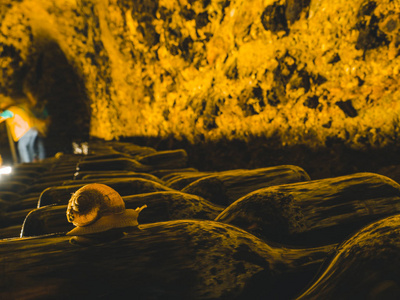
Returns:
(38,55)
(309,72)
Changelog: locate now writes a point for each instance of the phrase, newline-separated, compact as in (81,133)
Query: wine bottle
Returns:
(161,206)
(365,266)
(182,259)
(224,188)
(125,187)
(315,212)
(112,165)
(171,159)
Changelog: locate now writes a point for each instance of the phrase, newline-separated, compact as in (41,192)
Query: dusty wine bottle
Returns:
(315,212)
(224,188)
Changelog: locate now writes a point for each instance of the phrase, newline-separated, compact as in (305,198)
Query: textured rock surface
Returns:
(308,72)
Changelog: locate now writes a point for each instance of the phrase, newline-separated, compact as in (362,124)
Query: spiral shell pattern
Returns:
(93,201)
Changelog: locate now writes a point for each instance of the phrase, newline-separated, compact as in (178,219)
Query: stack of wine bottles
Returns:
(270,232)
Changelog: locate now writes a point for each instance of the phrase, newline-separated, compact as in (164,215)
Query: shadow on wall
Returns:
(54,82)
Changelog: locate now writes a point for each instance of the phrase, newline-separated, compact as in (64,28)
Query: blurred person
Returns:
(41,121)
(21,124)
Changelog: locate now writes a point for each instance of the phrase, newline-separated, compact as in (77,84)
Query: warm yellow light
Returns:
(5,170)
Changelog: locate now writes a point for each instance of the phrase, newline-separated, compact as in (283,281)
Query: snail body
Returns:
(96,208)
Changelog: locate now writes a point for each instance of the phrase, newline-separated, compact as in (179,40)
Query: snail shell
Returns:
(93,201)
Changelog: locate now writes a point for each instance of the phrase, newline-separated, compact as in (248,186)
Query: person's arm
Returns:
(5,115)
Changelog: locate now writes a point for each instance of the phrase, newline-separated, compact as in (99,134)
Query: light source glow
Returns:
(5,170)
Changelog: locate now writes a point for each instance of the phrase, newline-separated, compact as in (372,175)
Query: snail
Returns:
(97,208)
